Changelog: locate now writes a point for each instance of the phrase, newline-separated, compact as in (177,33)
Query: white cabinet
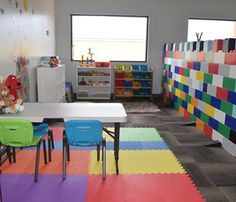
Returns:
(94,82)
(51,84)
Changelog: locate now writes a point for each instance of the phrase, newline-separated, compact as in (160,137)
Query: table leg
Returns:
(116,145)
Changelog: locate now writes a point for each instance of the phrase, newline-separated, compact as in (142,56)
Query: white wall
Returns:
(168,23)
(24,34)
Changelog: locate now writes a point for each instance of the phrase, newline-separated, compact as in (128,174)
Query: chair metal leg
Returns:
(52,139)
(45,151)
(64,160)
(37,162)
(49,149)
(98,152)
(14,154)
(68,152)
(9,154)
(104,159)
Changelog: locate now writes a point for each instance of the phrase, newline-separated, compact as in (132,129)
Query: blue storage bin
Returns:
(143,68)
(128,84)
(135,67)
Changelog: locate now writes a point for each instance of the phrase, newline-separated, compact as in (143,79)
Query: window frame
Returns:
(118,61)
(203,18)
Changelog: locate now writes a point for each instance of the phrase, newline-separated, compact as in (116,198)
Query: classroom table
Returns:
(113,113)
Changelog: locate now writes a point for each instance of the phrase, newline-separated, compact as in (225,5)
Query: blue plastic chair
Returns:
(44,130)
(83,133)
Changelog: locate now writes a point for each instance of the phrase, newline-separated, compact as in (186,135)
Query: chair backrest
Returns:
(84,132)
(16,133)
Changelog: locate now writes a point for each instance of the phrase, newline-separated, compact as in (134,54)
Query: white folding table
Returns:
(105,112)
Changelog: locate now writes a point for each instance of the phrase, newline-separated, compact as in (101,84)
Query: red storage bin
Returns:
(119,75)
(102,64)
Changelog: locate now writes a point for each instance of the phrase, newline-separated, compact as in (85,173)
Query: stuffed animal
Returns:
(5,98)
(13,85)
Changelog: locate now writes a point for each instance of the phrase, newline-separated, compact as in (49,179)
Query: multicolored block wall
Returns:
(202,87)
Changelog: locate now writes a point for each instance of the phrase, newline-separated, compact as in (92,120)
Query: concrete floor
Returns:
(212,169)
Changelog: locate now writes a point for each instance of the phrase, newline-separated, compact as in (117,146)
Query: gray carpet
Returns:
(140,107)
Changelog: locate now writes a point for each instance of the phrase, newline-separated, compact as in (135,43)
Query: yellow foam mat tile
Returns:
(138,162)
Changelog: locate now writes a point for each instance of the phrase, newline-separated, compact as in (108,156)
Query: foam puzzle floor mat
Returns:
(148,171)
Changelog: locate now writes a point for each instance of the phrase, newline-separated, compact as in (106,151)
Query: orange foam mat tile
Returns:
(25,163)
(138,162)
(57,133)
(143,188)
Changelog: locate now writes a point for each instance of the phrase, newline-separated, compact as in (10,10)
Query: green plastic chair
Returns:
(16,133)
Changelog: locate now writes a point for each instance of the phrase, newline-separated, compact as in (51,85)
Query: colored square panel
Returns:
(186,114)
(229,83)
(184,104)
(215,102)
(186,72)
(188,99)
(206,98)
(198,94)
(176,69)
(213,68)
(208,130)
(208,78)
(204,117)
(211,90)
(185,88)
(190,108)
(197,112)
(201,105)
(213,123)
(183,79)
(200,76)
(217,80)
(190,65)
(232,73)
(205,87)
(224,130)
(230,122)
(194,102)
(181,71)
(220,116)
(234,111)
(204,67)
(48,188)
(222,93)
(232,97)
(140,188)
(25,163)
(136,162)
(226,107)
(182,95)
(199,124)
(181,86)
(197,66)
(224,70)
(210,111)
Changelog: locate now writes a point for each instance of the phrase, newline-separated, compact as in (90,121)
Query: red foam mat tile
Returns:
(142,188)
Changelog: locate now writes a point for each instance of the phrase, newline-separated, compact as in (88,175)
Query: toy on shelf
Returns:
(10,101)
(89,60)
(54,61)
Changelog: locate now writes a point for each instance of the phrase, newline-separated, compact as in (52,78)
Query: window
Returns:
(110,38)
(211,29)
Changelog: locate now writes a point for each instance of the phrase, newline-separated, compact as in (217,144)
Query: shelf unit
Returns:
(133,81)
(94,83)
(51,84)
